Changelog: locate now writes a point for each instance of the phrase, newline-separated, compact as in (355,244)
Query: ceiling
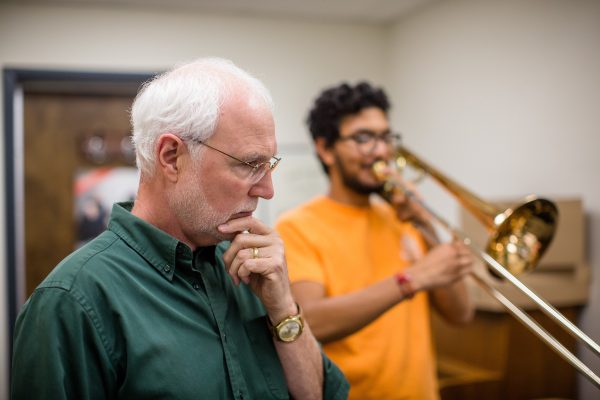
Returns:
(359,11)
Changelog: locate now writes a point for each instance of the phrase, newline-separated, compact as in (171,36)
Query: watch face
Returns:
(290,331)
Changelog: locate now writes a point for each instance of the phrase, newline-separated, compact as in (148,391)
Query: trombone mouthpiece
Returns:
(381,170)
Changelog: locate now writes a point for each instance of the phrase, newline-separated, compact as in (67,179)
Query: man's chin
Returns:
(218,237)
(214,237)
(366,189)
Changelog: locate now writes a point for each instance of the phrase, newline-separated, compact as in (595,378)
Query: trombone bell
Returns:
(522,235)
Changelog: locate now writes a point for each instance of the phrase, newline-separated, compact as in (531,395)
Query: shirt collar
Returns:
(160,249)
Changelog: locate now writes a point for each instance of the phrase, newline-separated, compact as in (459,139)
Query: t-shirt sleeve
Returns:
(303,259)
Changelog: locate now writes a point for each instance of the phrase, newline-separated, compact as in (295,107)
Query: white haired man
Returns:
(186,294)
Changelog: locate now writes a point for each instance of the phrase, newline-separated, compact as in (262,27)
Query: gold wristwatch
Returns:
(289,329)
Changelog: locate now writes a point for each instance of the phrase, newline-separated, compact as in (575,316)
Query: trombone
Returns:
(519,238)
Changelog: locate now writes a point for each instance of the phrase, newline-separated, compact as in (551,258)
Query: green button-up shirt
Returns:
(135,314)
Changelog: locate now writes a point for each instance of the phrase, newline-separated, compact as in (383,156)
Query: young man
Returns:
(186,295)
(360,270)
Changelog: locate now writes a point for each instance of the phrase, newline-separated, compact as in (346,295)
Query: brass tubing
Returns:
(499,223)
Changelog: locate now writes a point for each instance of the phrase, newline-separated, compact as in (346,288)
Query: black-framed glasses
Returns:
(256,171)
(366,140)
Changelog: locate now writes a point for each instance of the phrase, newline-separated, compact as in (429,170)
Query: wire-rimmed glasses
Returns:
(257,171)
(366,140)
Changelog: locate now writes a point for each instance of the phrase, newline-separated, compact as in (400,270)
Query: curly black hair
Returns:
(337,102)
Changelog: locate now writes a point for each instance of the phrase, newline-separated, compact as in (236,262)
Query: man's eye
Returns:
(242,167)
(254,164)
(363,138)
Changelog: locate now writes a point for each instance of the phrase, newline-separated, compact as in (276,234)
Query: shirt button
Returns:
(196,285)
(167,268)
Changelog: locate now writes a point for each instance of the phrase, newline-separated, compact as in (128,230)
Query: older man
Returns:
(186,295)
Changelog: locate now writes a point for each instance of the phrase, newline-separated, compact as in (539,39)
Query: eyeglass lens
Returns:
(367,141)
(260,170)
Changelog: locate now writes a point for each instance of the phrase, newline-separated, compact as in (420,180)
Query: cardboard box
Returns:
(561,277)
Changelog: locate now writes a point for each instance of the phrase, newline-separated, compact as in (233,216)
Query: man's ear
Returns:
(324,151)
(169,149)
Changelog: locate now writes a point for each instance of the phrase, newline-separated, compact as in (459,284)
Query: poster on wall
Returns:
(96,190)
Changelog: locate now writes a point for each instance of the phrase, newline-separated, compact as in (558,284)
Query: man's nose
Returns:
(382,148)
(263,188)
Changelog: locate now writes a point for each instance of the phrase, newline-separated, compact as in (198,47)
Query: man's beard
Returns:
(190,207)
(196,216)
(354,184)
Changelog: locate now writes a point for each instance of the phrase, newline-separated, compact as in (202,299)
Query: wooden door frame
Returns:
(16,84)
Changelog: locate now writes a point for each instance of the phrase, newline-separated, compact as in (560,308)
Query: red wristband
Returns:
(404,281)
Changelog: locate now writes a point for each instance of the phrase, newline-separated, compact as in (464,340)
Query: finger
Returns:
(251,253)
(410,185)
(239,225)
(398,198)
(242,257)
(243,241)
(235,246)
(230,254)
(469,260)
(460,248)
(235,265)
(257,266)
(464,252)
(466,264)
(245,224)
(244,272)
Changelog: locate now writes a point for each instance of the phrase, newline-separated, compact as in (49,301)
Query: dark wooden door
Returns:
(58,131)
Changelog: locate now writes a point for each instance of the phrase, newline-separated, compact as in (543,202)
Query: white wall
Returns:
(504,96)
(294,59)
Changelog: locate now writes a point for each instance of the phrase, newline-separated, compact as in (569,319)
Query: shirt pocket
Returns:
(267,360)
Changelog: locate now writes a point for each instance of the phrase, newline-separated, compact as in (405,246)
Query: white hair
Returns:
(186,102)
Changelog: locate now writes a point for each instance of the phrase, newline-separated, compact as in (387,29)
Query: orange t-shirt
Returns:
(345,249)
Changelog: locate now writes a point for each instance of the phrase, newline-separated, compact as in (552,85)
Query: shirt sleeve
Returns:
(336,386)
(303,259)
(58,352)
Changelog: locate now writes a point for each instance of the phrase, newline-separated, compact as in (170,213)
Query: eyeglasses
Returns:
(256,171)
(367,140)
